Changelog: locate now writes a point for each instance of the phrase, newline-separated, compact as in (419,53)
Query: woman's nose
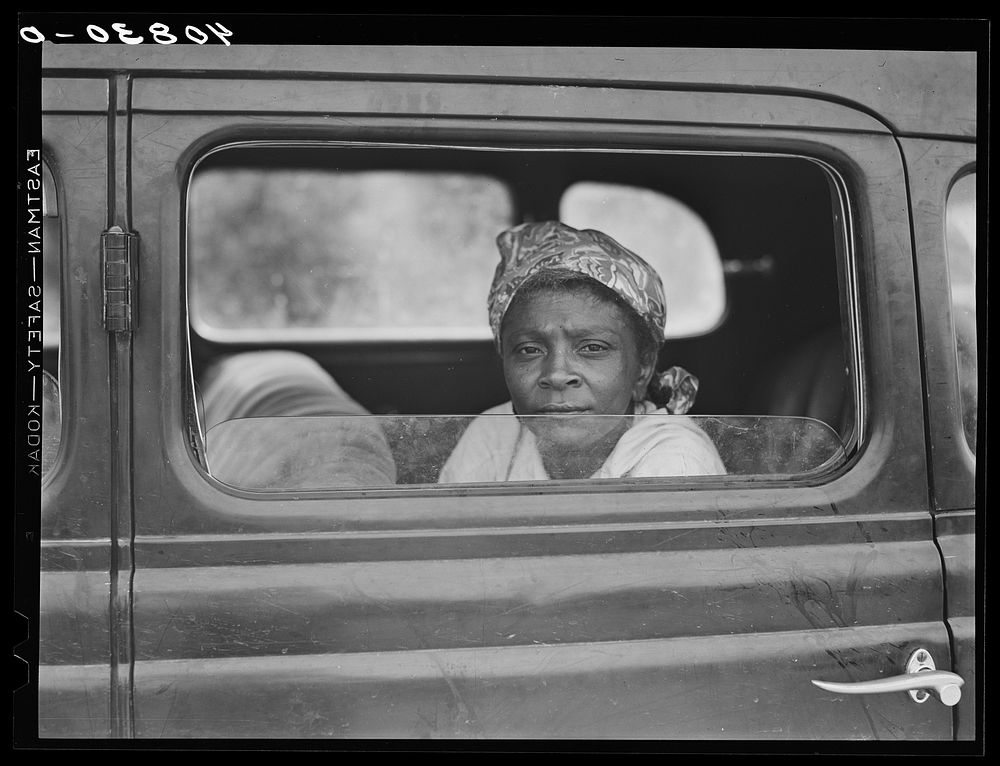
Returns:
(558,372)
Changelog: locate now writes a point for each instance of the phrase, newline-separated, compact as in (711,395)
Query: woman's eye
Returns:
(528,350)
(594,348)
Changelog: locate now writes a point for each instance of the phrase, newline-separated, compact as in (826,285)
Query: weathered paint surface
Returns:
(956,535)
(711,688)
(881,81)
(368,606)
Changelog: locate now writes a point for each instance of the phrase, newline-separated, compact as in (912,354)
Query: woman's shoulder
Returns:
(662,444)
(486,425)
(664,426)
(484,447)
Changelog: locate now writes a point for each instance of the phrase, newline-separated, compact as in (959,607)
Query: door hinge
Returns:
(120,259)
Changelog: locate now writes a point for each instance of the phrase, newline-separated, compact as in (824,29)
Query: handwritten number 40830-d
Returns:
(159,32)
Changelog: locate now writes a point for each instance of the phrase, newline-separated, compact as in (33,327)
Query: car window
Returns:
(51,302)
(961,247)
(50,262)
(671,236)
(318,277)
(342,254)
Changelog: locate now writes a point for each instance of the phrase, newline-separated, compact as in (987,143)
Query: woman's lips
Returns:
(561,409)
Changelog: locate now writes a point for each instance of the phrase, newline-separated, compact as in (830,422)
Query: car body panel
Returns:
(75,589)
(879,81)
(932,166)
(956,536)
(678,609)
(506,102)
(627,689)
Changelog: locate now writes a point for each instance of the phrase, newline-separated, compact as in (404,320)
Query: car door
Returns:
(666,609)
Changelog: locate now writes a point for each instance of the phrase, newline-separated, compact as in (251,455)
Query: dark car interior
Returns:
(778,349)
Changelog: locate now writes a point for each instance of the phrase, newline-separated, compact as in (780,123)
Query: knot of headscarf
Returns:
(533,247)
(674,389)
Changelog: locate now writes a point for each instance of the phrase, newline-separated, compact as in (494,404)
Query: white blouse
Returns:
(497,448)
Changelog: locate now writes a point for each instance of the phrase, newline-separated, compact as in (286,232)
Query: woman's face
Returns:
(571,352)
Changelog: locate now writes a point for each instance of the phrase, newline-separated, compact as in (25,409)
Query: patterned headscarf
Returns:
(533,247)
(530,248)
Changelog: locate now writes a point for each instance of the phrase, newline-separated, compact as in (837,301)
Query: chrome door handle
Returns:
(920,680)
(944,685)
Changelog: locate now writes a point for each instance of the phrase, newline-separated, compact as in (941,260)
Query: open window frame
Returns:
(481,159)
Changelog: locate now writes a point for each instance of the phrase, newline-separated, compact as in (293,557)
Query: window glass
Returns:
(50,263)
(376,253)
(666,233)
(51,299)
(330,245)
(370,451)
(961,246)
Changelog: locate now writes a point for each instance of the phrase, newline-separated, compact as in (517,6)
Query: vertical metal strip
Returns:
(921,333)
(120,379)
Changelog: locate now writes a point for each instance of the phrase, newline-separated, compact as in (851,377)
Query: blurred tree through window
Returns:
(281,249)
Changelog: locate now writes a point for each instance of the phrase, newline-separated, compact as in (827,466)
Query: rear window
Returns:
(670,236)
(310,253)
